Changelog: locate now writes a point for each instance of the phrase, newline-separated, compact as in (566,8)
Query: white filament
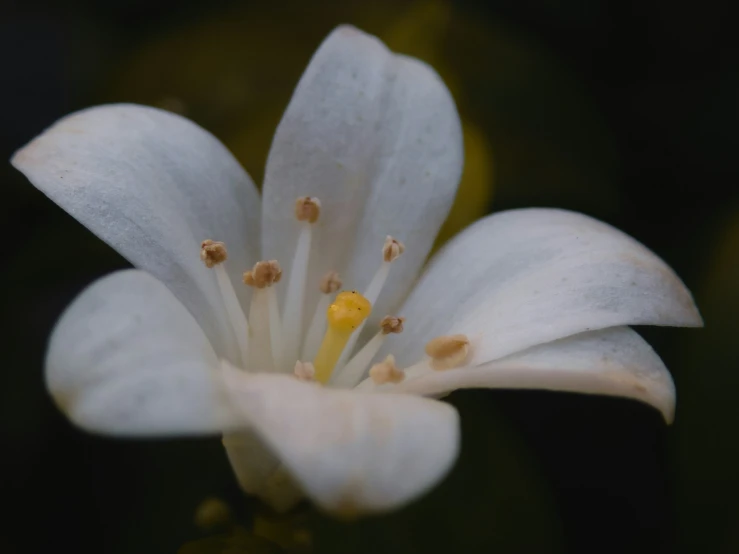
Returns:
(316,329)
(354,370)
(372,293)
(292,314)
(260,351)
(236,316)
(277,342)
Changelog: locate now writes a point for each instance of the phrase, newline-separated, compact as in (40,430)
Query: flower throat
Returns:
(270,340)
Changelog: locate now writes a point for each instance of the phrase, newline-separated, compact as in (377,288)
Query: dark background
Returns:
(627,111)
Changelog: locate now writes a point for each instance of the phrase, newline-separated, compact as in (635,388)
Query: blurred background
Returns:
(627,111)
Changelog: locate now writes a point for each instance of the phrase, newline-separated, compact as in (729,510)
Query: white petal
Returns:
(351,452)
(153,185)
(377,138)
(526,277)
(127,358)
(613,362)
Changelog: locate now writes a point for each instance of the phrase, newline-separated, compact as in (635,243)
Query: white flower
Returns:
(536,298)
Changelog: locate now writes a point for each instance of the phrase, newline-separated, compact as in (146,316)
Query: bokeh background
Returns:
(627,111)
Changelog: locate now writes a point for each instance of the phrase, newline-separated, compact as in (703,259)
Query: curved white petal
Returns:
(612,362)
(377,138)
(526,277)
(153,185)
(127,358)
(351,452)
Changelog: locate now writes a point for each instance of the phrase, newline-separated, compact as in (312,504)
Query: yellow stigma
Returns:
(348,311)
(343,316)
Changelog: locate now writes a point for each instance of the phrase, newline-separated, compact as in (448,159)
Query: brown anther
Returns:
(264,274)
(392,249)
(330,282)
(304,371)
(307,208)
(391,324)
(212,252)
(448,351)
(386,372)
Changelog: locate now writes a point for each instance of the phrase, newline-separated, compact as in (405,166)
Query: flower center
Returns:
(272,341)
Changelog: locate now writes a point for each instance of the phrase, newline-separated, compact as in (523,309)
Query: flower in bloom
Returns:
(296,325)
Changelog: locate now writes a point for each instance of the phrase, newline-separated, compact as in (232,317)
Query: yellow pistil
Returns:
(343,316)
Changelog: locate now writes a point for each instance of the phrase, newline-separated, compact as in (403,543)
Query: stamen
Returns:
(392,324)
(304,371)
(386,372)
(409,374)
(213,254)
(354,370)
(307,210)
(343,317)
(329,285)
(448,351)
(266,348)
(264,274)
(391,251)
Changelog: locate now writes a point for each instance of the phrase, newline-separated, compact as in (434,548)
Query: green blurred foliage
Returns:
(236,541)
(706,440)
